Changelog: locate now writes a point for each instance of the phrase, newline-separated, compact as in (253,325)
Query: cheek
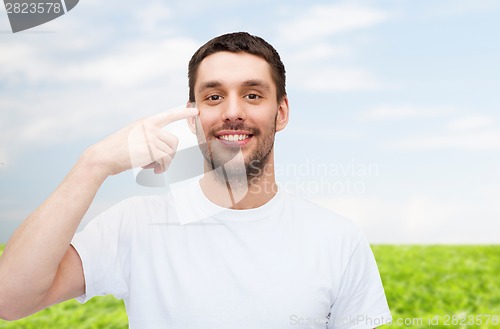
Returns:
(207,117)
(268,122)
(203,124)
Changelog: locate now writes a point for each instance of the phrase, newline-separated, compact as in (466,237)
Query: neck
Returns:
(254,193)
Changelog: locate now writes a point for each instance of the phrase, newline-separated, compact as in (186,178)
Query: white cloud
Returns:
(397,112)
(12,53)
(54,119)
(469,132)
(459,7)
(151,15)
(471,141)
(419,219)
(331,133)
(20,61)
(100,54)
(134,63)
(73,114)
(320,21)
(100,94)
(470,123)
(319,51)
(304,36)
(334,79)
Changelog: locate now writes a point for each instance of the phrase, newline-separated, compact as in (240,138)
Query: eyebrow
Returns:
(247,83)
(256,83)
(209,84)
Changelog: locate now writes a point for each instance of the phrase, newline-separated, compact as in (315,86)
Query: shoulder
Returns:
(134,209)
(146,204)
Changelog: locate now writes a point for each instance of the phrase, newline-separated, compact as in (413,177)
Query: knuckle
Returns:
(175,142)
(171,152)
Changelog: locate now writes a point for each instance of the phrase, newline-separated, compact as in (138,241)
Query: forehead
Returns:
(233,69)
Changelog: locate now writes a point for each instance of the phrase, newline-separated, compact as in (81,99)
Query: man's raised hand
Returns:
(141,144)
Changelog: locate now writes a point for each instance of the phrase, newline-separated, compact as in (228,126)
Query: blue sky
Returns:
(395,118)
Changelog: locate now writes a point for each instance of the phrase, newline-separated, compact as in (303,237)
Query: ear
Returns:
(191,121)
(282,115)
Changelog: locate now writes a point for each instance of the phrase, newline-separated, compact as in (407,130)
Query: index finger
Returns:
(176,114)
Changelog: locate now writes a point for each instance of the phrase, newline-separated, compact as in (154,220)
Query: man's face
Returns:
(238,110)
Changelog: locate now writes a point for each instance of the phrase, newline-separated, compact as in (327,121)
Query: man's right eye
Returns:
(214,98)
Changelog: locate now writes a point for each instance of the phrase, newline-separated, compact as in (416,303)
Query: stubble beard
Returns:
(229,165)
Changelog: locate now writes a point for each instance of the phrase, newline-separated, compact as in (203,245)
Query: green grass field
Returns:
(426,286)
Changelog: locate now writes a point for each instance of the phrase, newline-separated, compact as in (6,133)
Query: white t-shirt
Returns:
(286,264)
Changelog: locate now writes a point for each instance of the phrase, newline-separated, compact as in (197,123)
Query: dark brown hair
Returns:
(235,43)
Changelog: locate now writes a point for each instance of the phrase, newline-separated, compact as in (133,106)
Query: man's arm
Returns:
(31,259)
(39,267)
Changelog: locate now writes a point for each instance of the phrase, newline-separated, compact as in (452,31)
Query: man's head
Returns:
(238,84)
(239,42)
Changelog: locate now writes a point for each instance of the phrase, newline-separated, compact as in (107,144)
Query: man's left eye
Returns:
(252,96)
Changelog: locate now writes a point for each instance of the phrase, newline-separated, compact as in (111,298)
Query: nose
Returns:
(233,110)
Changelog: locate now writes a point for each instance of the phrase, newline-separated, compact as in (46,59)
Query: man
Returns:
(228,251)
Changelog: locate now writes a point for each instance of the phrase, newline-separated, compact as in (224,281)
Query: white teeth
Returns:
(233,138)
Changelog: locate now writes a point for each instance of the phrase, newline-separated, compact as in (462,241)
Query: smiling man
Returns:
(229,250)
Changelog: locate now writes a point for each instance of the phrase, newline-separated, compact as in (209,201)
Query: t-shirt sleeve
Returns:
(103,247)
(361,301)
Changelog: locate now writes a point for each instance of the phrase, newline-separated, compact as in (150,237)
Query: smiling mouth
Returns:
(233,138)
